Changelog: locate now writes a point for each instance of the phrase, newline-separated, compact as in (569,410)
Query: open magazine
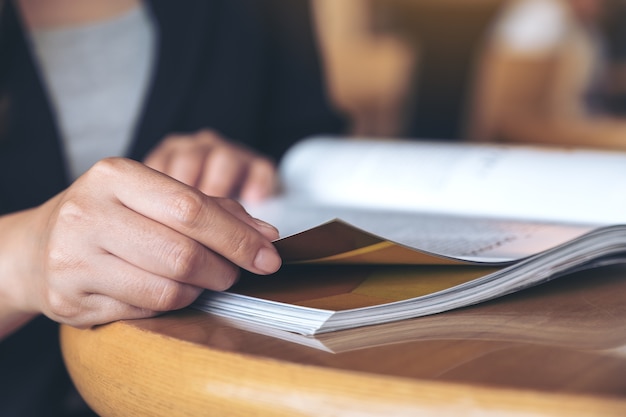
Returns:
(415,228)
(542,316)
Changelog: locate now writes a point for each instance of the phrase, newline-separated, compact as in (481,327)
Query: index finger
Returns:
(192,213)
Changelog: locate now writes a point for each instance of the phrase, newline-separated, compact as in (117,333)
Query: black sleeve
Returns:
(249,69)
(298,103)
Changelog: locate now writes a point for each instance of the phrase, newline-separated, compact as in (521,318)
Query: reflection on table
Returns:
(556,349)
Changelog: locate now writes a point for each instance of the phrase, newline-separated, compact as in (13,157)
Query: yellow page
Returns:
(345,287)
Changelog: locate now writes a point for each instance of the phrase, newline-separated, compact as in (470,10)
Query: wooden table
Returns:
(557,349)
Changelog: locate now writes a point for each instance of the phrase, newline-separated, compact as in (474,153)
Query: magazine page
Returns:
(558,319)
(346,235)
(312,300)
(505,181)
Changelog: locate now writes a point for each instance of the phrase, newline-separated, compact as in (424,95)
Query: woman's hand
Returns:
(125,241)
(215,166)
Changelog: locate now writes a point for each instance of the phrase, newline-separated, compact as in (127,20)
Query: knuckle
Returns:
(107,167)
(227,278)
(264,165)
(166,145)
(181,143)
(183,257)
(188,208)
(58,259)
(106,170)
(61,307)
(208,135)
(172,295)
(72,211)
(225,156)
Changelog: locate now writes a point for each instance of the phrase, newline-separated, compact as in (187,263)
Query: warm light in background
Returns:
(429,69)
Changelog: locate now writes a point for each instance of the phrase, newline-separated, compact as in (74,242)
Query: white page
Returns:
(469,238)
(470,179)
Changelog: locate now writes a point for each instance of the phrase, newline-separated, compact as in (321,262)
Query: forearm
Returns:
(12,240)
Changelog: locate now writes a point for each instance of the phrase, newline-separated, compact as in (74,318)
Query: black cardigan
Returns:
(246,68)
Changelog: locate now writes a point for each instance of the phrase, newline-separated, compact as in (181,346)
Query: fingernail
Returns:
(267,260)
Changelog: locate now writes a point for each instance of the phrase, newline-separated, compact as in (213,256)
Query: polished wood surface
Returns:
(556,349)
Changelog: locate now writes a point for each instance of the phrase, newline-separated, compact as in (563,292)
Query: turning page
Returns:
(449,201)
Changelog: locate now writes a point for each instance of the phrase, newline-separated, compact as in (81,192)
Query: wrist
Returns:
(15,246)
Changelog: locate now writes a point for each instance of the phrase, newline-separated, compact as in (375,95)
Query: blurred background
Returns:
(540,71)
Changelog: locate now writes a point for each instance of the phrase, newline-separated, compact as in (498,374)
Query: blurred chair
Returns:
(548,75)
(368,70)
(403,67)
(447,35)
